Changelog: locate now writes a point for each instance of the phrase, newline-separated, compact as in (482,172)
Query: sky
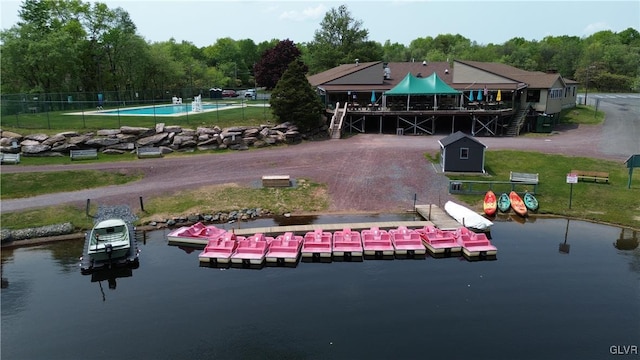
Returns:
(202,22)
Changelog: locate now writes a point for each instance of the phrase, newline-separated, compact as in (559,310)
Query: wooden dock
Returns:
(437,216)
(303,229)
(433,215)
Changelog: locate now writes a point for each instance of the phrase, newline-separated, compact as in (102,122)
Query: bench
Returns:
(9,158)
(83,154)
(523,177)
(594,176)
(148,152)
(276,181)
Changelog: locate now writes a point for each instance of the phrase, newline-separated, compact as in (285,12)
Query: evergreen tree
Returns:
(294,100)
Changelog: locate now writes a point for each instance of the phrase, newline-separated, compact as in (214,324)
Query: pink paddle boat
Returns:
(407,242)
(317,244)
(439,242)
(284,248)
(251,250)
(219,250)
(347,243)
(197,231)
(376,242)
(474,244)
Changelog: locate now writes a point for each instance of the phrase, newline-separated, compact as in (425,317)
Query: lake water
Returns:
(558,290)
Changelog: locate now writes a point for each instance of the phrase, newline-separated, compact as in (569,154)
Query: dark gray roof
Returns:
(446,141)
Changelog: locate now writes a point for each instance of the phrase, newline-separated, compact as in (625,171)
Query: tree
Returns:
(339,41)
(294,100)
(274,62)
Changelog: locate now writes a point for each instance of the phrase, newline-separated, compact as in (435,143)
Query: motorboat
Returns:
(109,240)
(347,243)
(220,249)
(317,244)
(284,248)
(474,244)
(197,231)
(407,241)
(251,250)
(439,241)
(376,242)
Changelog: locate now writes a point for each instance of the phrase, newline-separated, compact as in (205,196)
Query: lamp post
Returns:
(586,90)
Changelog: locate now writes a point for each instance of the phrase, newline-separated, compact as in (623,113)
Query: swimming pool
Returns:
(159,110)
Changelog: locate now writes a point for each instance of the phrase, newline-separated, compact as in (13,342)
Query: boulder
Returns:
(76,140)
(188,132)
(151,140)
(37,137)
(134,130)
(35,149)
(113,152)
(108,132)
(253,132)
(102,142)
(10,134)
(55,140)
(179,140)
(159,128)
(64,147)
(29,143)
(68,134)
(173,129)
(208,142)
(123,146)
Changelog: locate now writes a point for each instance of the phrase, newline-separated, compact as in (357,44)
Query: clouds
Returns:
(308,13)
(595,27)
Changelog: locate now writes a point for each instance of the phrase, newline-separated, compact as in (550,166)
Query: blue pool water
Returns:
(161,110)
(559,290)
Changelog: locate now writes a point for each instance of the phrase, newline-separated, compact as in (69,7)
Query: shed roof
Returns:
(446,141)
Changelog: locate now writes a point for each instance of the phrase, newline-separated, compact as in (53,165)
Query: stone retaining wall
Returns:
(167,138)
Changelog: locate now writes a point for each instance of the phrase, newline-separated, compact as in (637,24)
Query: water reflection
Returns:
(628,240)
(564,248)
(111,276)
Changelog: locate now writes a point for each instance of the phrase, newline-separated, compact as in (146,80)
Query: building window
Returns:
(574,91)
(533,96)
(555,93)
(464,153)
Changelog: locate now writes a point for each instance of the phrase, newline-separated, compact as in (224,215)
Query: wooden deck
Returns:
(437,216)
(432,214)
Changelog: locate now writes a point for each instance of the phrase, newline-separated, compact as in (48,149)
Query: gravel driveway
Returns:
(364,173)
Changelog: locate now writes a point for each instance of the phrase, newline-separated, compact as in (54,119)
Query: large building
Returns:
(428,97)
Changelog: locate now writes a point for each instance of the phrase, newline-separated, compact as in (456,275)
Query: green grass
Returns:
(581,115)
(21,185)
(611,203)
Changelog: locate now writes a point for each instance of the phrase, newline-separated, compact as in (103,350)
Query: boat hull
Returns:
(490,204)
(530,201)
(504,204)
(517,204)
(467,217)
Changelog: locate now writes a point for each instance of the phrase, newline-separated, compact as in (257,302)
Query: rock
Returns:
(46,154)
(253,132)
(55,140)
(64,147)
(102,142)
(37,137)
(179,140)
(8,142)
(250,140)
(134,130)
(165,150)
(127,138)
(159,128)
(173,129)
(29,143)
(108,132)
(151,140)
(10,134)
(211,141)
(35,149)
(238,147)
(75,140)
(260,144)
(188,132)
(123,146)
(207,131)
(193,218)
(113,152)
(68,134)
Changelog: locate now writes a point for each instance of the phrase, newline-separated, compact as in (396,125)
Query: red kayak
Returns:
(517,204)
(490,204)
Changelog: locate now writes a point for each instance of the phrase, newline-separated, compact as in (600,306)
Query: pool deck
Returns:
(119,111)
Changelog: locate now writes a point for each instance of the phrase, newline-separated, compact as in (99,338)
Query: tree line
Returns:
(73,46)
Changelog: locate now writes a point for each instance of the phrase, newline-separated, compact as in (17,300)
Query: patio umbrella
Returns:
(373,97)
(479,95)
(486,92)
(499,96)
(471,96)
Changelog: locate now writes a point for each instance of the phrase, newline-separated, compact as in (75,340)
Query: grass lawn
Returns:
(609,202)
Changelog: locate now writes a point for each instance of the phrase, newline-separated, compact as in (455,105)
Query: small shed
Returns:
(460,152)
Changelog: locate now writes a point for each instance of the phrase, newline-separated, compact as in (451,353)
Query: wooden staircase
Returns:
(337,120)
(518,120)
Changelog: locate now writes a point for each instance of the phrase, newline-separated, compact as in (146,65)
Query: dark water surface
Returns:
(533,302)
